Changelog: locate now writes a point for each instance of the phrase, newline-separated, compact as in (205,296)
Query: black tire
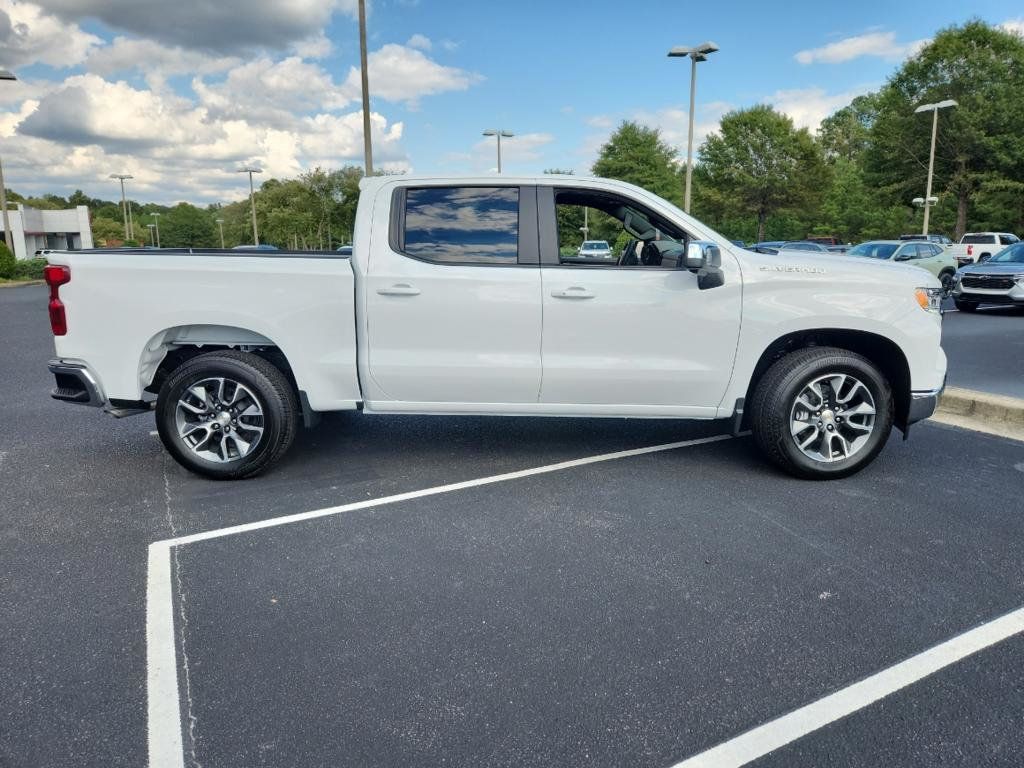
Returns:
(776,393)
(966,306)
(946,278)
(276,397)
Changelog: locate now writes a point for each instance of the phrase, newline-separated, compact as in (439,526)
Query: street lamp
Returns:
(252,200)
(122,177)
(156,223)
(8,237)
(697,53)
(499,133)
(220,226)
(934,109)
(152,237)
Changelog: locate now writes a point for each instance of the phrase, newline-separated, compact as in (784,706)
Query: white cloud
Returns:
(29,35)
(420,41)
(521,150)
(809,106)
(225,25)
(600,121)
(879,44)
(154,60)
(400,73)
(1016,26)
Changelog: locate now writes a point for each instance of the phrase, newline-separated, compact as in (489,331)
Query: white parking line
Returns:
(766,738)
(164,710)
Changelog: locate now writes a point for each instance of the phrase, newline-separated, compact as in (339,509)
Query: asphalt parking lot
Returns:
(631,611)
(986,349)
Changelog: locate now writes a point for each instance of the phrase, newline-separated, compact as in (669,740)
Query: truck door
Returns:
(633,332)
(453,297)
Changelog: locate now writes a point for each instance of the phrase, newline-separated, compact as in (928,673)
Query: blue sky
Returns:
(179,98)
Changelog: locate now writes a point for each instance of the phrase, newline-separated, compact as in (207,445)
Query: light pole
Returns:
(8,237)
(934,109)
(697,53)
(367,146)
(252,200)
(499,133)
(220,226)
(122,177)
(152,237)
(156,223)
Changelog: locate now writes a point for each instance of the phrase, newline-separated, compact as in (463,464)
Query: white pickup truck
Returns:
(980,246)
(455,300)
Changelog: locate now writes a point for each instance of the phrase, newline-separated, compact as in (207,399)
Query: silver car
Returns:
(996,280)
(595,249)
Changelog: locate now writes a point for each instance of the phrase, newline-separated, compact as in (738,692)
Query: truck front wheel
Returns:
(227,414)
(822,413)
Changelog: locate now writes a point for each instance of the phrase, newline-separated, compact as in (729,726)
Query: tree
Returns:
(107,232)
(982,68)
(639,155)
(846,133)
(759,164)
(184,226)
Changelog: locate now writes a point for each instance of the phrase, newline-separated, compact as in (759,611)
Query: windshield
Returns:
(595,245)
(873,250)
(1014,254)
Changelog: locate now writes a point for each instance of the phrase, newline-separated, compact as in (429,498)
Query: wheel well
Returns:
(179,354)
(881,351)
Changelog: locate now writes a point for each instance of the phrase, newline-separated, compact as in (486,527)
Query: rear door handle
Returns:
(399,289)
(575,292)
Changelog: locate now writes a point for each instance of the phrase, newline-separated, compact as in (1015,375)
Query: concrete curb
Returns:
(982,411)
(19,284)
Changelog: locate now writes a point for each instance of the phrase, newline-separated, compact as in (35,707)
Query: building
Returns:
(33,229)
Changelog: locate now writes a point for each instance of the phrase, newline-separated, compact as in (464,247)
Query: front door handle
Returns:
(575,292)
(399,289)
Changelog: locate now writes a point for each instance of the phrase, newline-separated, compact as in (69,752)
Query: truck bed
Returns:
(127,309)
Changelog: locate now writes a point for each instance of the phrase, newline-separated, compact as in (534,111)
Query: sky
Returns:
(178,94)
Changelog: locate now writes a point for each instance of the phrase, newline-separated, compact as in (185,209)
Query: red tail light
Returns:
(970,250)
(56,275)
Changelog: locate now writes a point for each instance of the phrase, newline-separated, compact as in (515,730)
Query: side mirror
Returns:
(702,256)
(903,257)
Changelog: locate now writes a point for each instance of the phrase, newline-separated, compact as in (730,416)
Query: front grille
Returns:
(990,282)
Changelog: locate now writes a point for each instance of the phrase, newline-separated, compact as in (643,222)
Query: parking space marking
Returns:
(766,738)
(163,702)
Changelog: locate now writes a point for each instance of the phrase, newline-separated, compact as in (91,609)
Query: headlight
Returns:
(929,299)
(957,277)
(1019,279)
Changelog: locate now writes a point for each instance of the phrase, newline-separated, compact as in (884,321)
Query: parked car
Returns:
(770,247)
(838,248)
(738,243)
(975,245)
(996,280)
(826,241)
(917,253)
(939,239)
(345,250)
(803,245)
(595,249)
(260,247)
(415,325)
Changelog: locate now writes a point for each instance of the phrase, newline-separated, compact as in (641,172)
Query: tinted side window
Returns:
(462,225)
(1007,239)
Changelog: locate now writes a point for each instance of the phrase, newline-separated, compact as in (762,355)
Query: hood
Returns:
(988,268)
(829,266)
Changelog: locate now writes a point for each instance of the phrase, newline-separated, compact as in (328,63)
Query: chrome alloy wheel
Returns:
(219,419)
(833,417)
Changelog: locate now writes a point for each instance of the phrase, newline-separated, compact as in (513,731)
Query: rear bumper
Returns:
(76,384)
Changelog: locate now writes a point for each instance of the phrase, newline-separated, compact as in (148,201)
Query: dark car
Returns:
(940,239)
(260,247)
(345,250)
(768,246)
(803,245)
(996,280)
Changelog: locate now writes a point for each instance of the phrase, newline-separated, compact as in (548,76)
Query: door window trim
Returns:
(547,230)
(528,254)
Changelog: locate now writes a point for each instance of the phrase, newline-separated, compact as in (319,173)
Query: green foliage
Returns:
(639,155)
(982,68)
(760,164)
(846,133)
(29,269)
(183,226)
(8,264)
(107,232)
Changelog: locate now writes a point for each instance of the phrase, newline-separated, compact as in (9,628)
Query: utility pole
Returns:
(124,202)
(220,226)
(8,235)
(156,219)
(252,200)
(499,133)
(367,146)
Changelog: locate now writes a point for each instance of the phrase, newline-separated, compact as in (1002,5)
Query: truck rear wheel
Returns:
(227,415)
(822,413)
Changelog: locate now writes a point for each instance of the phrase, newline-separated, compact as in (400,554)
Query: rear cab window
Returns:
(479,225)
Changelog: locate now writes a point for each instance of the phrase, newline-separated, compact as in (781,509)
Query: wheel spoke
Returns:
(832,417)
(213,438)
